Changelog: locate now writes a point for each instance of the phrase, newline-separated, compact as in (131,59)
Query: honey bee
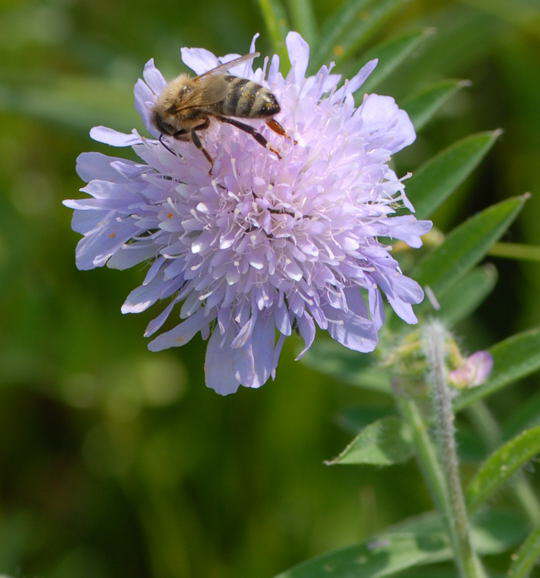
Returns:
(187,105)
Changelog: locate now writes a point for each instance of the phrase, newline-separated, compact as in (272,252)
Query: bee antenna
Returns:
(165,145)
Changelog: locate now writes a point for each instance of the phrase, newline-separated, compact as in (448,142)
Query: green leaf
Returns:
(502,465)
(513,359)
(382,443)
(351,26)
(303,19)
(354,368)
(438,571)
(391,53)
(276,23)
(466,294)
(359,34)
(439,177)
(466,245)
(422,105)
(333,29)
(525,558)
(420,540)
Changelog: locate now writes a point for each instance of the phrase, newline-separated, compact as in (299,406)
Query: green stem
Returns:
(426,455)
(490,432)
(435,478)
(434,344)
(516,251)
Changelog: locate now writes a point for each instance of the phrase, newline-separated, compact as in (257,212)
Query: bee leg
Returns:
(250,130)
(276,127)
(167,146)
(197,142)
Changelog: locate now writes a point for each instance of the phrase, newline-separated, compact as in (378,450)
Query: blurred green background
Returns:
(117,462)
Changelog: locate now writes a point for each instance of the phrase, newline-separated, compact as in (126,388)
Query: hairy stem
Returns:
(426,454)
(434,345)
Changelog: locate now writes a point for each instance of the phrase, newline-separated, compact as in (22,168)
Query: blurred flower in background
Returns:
(260,244)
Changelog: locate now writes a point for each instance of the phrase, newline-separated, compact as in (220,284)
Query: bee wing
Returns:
(211,90)
(228,65)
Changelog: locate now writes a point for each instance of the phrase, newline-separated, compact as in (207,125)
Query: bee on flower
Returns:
(263,244)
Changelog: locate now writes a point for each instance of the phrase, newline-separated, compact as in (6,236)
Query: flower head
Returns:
(262,246)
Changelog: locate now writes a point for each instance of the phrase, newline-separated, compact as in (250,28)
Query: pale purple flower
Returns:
(262,247)
(474,371)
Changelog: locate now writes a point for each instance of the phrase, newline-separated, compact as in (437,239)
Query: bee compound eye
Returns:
(163,126)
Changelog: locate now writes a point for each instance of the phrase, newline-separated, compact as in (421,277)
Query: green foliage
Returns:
(526,557)
(439,177)
(516,251)
(333,29)
(391,53)
(381,443)
(513,359)
(303,19)
(420,540)
(351,27)
(329,358)
(524,416)
(277,26)
(502,465)
(422,105)
(466,245)
(465,295)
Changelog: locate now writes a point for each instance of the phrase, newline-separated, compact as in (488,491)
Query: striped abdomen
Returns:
(247,99)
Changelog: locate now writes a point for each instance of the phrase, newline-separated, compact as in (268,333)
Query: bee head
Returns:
(164,123)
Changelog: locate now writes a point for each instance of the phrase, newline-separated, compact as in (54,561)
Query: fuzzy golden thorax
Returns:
(167,115)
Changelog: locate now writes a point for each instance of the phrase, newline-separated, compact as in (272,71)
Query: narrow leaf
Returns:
(420,540)
(525,558)
(381,443)
(360,33)
(466,245)
(439,177)
(502,465)
(422,105)
(332,30)
(303,19)
(467,294)
(276,23)
(513,359)
(391,54)
(351,27)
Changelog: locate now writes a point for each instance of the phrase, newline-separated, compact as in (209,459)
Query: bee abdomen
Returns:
(247,99)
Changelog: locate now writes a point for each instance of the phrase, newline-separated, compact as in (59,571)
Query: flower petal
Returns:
(153,77)
(385,125)
(218,366)
(181,334)
(199,59)
(113,137)
(298,50)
